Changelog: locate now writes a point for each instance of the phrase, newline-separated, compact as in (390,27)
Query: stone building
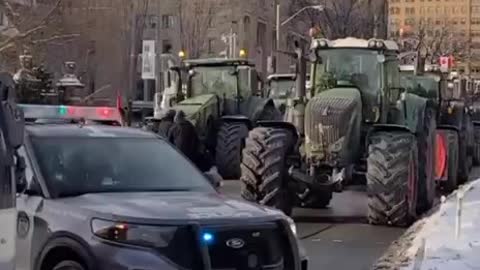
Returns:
(461,18)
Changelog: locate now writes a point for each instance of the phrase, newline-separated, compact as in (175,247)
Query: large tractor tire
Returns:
(476,146)
(426,162)
(264,174)
(228,152)
(451,138)
(463,167)
(392,178)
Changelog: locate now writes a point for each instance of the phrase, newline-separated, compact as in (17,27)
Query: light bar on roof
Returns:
(71,112)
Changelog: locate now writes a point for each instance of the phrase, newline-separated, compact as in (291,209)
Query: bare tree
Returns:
(344,18)
(195,18)
(433,41)
(35,28)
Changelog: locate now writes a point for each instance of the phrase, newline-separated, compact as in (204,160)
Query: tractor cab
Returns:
(356,66)
(230,80)
(280,88)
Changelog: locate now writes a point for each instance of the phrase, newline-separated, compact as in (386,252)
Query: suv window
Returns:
(75,166)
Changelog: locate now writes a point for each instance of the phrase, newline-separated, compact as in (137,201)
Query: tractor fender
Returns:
(385,127)
(281,125)
(449,127)
(253,107)
(415,107)
(237,119)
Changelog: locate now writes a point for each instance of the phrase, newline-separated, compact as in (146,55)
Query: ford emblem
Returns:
(235,243)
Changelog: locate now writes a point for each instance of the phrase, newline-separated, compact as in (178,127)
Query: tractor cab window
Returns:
(281,88)
(350,67)
(214,80)
(421,85)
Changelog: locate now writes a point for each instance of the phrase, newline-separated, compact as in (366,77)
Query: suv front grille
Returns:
(262,246)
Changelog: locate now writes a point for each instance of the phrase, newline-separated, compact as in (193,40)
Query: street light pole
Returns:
(278,25)
(277,47)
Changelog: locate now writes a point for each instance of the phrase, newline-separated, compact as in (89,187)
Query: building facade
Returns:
(451,25)
(109,47)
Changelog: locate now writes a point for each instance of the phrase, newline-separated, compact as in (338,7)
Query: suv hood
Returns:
(167,206)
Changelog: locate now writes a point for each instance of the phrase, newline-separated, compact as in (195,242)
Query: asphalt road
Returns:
(338,238)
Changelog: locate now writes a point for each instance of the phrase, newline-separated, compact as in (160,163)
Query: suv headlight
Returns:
(134,234)
(292,225)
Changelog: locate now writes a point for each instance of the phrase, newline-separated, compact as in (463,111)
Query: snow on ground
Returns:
(432,242)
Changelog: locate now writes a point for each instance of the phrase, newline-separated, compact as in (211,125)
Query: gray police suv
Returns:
(100,197)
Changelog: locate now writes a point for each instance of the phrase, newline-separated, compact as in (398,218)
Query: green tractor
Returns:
(281,88)
(361,123)
(475,109)
(223,100)
(454,139)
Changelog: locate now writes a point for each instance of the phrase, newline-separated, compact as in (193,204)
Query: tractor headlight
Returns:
(323,43)
(133,234)
(292,225)
(372,43)
(379,44)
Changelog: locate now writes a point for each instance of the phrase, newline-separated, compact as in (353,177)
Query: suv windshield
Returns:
(350,67)
(281,88)
(75,166)
(214,80)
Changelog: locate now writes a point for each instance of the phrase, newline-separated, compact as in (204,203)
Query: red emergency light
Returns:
(71,112)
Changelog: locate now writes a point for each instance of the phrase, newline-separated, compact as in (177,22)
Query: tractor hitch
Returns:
(332,182)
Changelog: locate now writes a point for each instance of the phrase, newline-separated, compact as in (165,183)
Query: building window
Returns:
(211,46)
(167,21)
(152,21)
(166,46)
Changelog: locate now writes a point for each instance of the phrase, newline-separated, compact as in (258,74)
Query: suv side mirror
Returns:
(12,115)
(20,178)
(33,189)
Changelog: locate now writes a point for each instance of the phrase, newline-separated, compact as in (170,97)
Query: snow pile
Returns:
(446,239)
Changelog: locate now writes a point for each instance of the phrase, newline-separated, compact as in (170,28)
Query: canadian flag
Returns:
(446,62)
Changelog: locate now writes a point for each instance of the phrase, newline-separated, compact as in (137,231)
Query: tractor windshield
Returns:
(421,85)
(349,67)
(281,88)
(220,80)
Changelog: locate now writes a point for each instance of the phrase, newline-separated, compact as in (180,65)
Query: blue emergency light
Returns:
(33,111)
(207,237)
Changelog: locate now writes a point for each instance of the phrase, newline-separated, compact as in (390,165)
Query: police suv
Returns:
(103,197)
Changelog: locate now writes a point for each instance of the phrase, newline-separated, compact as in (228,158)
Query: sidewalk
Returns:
(436,242)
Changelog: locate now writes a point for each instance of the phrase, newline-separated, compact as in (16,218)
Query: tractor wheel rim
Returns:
(412,185)
(440,157)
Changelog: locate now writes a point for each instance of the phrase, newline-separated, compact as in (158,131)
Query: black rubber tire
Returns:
(476,149)
(68,265)
(426,162)
(264,174)
(228,151)
(392,159)
(451,138)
